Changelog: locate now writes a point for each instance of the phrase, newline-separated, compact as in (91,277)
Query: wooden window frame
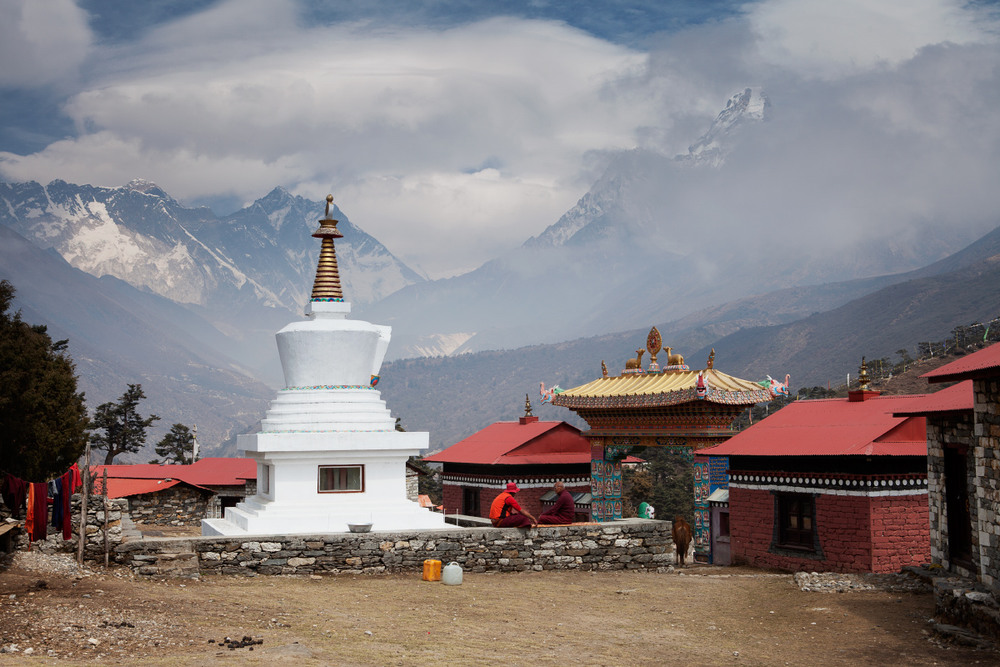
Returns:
(796,517)
(319,478)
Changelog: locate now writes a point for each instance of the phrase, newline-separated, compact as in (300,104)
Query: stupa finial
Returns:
(527,407)
(863,378)
(326,287)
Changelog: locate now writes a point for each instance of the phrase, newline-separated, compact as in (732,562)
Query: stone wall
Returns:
(633,544)
(986,482)
(180,505)
(955,430)
(119,526)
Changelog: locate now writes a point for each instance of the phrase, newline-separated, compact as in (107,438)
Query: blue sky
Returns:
(454,130)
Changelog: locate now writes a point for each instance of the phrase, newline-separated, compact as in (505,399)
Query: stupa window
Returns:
(341,479)
(264,473)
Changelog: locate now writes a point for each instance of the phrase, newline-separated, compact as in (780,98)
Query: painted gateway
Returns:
(673,406)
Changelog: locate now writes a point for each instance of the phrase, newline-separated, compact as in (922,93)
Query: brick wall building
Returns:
(532,453)
(836,484)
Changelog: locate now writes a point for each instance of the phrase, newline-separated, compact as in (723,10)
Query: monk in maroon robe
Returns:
(563,510)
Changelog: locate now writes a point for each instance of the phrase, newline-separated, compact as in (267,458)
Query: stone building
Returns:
(963,455)
(833,484)
(180,494)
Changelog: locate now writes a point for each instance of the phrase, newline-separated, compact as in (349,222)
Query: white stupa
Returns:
(328,453)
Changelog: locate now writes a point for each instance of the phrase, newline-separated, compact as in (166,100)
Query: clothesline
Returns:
(35,498)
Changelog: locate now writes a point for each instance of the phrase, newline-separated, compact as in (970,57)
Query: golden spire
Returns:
(863,378)
(326,287)
(527,407)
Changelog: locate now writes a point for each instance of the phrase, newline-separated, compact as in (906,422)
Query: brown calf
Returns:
(682,538)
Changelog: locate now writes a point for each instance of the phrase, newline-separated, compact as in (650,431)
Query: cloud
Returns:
(41,42)
(817,38)
(204,108)
(453,144)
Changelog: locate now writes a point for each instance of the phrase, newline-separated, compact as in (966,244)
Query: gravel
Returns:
(835,582)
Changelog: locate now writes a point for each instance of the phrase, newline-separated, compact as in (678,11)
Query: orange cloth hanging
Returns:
(29,517)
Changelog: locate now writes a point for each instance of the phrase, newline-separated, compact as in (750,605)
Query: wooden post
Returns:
(105,490)
(83,508)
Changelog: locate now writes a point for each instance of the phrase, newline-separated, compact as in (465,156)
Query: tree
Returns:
(124,428)
(666,482)
(176,446)
(43,418)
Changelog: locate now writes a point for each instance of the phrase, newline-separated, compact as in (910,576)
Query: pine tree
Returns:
(176,446)
(43,419)
(124,429)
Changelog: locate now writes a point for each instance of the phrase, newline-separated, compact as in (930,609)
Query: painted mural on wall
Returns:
(606,489)
(702,490)
(710,474)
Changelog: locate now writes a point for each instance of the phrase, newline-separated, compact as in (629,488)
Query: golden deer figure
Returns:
(673,359)
(635,363)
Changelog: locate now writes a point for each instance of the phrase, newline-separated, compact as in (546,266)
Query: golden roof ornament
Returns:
(863,378)
(326,287)
(527,407)
(653,343)
(604,369)
(711,360)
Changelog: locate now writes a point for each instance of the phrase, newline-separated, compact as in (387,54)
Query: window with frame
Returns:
(796,521)
(341,479)
(264,479)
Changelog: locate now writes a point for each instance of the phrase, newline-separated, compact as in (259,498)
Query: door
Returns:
(720,535)
(956,498)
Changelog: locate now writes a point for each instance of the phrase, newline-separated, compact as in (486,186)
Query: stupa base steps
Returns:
(255,517)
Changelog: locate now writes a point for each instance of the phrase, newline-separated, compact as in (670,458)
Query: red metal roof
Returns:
(979,364)
(211,471)
(956,398)
(123,488)
(517,443)
(833,427)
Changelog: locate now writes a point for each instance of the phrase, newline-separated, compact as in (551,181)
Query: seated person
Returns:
(505,512)
(563,510)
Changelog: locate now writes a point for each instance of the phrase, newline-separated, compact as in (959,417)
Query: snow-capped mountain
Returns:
(248,273)
(749,106)
(655,238)
(610,192)
(261,254)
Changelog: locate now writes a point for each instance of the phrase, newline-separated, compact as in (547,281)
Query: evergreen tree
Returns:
(43,419)
(176,446)
(666,482)
(124,429)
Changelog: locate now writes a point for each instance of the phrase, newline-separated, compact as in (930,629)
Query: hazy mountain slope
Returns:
(656,238)
(818,349)
(455,396)
(118,335)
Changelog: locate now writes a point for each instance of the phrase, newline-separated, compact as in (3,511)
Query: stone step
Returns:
(180,563)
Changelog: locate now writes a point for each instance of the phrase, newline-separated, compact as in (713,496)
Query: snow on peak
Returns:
(747,106)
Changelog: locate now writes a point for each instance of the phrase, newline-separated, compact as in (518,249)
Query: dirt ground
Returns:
(699,616)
